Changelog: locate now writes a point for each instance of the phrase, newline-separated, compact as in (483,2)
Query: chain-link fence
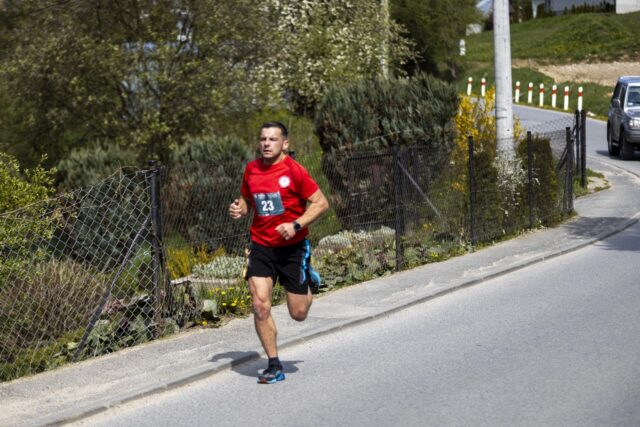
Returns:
(78,276)
(144,254)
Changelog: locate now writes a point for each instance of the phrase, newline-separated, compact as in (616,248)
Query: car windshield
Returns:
(633,97)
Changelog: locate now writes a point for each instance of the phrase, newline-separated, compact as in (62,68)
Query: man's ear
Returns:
(285,144)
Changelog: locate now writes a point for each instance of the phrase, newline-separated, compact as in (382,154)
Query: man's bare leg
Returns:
(261,289)
(299,305)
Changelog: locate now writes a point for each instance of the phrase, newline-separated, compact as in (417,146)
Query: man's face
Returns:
(272,145)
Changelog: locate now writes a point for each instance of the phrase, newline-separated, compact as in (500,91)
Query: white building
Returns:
(626,6)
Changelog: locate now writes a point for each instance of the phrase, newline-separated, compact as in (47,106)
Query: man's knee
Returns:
(261,309)
(299,314)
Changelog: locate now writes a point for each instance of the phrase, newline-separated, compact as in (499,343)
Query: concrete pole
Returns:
(502,62)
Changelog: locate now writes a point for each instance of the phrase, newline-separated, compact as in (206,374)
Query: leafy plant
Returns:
(26,221)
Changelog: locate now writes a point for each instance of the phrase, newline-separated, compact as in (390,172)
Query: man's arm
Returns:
(317,204)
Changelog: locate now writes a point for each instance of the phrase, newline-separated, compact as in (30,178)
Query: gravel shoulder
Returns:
(602,73)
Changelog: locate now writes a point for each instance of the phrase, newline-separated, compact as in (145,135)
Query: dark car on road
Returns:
(623,124)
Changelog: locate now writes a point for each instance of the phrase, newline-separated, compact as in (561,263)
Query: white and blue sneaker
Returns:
(271,375)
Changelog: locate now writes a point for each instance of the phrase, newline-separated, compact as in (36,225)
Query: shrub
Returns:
(377,115)
(352,257)
(102,221)
(87,166)
(498,180)
(44,304)
(181,260)
(222,267)
(546,203)
(25,221)
(203,180)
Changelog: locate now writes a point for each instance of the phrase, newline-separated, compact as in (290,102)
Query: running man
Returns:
(285,201)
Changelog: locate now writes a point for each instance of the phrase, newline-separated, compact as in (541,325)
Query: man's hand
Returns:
(286,230)
(238,209)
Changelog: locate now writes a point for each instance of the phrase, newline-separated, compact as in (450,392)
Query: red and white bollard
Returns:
(469,83)
(541,103)
(566,98)
(554,95)
(580,98)
(517,92)
(483,87)
(530,94)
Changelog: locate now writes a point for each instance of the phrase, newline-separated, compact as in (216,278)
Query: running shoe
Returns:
(271,375)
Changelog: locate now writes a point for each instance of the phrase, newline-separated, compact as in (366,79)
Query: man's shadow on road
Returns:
(249,363)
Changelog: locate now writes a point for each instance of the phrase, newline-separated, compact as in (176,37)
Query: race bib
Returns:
(268,204)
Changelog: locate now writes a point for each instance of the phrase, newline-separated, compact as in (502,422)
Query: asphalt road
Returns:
(556,343)
(596,135)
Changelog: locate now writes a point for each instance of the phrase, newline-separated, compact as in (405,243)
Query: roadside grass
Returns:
(593,177)
(566,39)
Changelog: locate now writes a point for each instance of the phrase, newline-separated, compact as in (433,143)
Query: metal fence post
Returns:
(583,149)
(157,242)
(399,220)
(530,176)
(578,134)
(569,177)
(472,193)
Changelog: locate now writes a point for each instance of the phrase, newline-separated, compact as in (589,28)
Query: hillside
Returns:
(589,50)
(595,37)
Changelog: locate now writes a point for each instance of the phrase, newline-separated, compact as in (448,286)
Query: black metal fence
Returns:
(144,254)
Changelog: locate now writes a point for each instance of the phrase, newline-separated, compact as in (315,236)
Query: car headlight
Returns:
(634,123)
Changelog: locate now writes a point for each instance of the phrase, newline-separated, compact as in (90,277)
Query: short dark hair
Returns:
(274,124)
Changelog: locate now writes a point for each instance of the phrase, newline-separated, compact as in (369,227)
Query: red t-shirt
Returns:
(278,194)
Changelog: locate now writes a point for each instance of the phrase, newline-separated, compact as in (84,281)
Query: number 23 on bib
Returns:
(268,204)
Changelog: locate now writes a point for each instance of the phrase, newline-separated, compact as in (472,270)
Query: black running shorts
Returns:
(289,264)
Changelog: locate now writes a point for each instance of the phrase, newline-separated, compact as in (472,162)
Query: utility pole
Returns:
(502,62)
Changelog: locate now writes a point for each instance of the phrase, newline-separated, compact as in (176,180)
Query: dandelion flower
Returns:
(204,323)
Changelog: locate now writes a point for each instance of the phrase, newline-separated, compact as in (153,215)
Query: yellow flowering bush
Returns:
(232,300)
(181,260)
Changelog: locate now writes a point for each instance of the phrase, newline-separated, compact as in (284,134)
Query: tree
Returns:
(436,28)
(143,74)
(322,43)
(149,74)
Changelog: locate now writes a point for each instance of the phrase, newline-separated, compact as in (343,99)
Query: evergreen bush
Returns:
(371,117)
(101,221)
(547,208)
(203,180)
(87,166)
